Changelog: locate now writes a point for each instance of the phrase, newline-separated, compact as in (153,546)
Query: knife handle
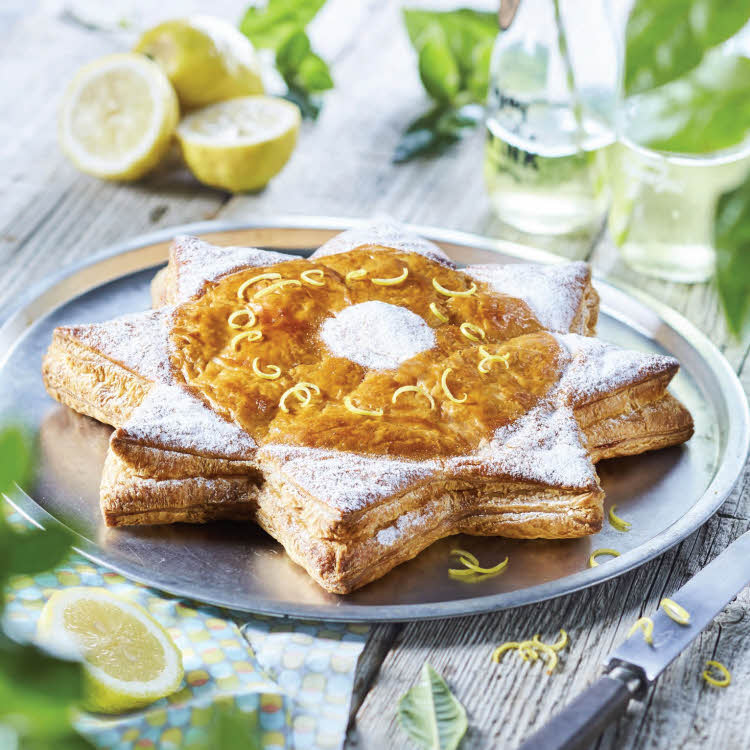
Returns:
(588,715)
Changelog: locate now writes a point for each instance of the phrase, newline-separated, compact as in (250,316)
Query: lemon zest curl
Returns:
(364,412)
(675,611)
(646,624)
(255,280)
(413,389)
(303,391)
(472,332)
(306,276)
(437,312)
(359,273)
(395,280)
(251,319)
(604,551)
(619,524)
(449,293)
(446,389)
(726,679)
(277,286)
(249,335)
(274,370)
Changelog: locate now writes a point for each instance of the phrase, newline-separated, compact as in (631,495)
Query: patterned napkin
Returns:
(295,678)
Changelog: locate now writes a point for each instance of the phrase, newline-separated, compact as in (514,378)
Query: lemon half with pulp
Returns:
(129,658)
(118,117)
(239,144)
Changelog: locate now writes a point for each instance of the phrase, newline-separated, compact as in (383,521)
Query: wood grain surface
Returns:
(51,215)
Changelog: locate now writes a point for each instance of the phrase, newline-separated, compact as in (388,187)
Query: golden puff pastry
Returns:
(365,402)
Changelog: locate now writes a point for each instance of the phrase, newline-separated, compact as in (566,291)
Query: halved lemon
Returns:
(129,658)
(239,144)
(206,59)
(118,117)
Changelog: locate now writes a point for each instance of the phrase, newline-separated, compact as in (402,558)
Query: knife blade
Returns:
(635,664)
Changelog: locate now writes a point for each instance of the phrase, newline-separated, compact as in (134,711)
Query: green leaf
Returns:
(667,38)
(228,729)
(707,110)
(437,69)
(15,457)
(32,552)
(271,25)
(292,52)
(37,691)
(433,132)
(430,714)
(464,31)
(732,243)
(313,74)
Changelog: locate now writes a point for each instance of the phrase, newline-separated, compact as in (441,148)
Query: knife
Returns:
(635,664)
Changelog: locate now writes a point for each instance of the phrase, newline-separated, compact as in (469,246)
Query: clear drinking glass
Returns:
(662,210)
(550,116)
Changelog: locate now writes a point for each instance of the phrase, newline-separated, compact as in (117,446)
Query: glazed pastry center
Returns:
(377,335)
(373,351)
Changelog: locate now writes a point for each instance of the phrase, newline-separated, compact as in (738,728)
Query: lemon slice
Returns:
(206,59)
(129,659)
(118,117)
(239,144)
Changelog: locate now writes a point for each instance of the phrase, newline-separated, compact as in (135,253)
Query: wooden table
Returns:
(51,215)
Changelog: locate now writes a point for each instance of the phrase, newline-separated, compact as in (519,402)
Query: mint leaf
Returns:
(431,715)
(269,26)
(280,26)
(706,110)
(437,68)
(732,243)
(665,39)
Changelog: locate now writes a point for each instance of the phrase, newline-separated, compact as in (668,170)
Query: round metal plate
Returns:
(666,495)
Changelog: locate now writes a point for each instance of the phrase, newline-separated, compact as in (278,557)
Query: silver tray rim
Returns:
(51,292)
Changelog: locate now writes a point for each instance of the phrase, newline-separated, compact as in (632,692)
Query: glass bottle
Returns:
(550,116)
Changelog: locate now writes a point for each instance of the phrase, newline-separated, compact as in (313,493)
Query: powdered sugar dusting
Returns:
(597,367)
(347,482)
(386,234)
(406,525)
(199,262)
(545,445)
(139,342)
(170,417)
(553,293)
(377,335)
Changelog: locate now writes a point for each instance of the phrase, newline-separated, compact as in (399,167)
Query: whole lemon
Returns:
(206,59)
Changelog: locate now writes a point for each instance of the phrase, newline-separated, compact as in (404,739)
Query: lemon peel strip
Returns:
(675,611)
(449,293)
(249,335)
(364,412)
(359,273)
(472,332)
(413,389)
(446,390)
(467,555)
(719,667)
(646,624)
(251,319)
(306,276)
(276,286)
(604,551)
(560,643)
(435,310)
(395,280)
(619,524)
(274,373)
(488,359)
(497,654)
(303,391)
(255,280)
(474,568)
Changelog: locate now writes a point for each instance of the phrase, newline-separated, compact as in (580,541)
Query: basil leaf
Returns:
(433,132)
(437,68)
(313,74)
(271,25)
(463,29)
(705,111)
(732,243)
(665,39)
(430,714)
(293,51)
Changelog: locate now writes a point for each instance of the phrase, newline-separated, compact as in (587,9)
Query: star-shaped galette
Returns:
(364,402)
